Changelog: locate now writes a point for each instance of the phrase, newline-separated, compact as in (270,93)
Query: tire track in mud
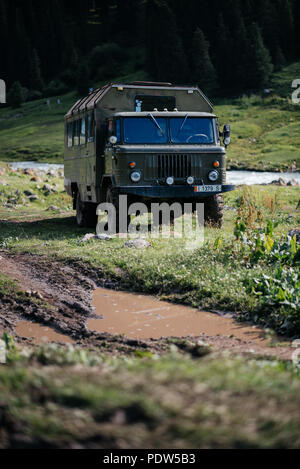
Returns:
(61,299)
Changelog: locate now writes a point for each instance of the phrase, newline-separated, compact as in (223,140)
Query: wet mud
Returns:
(65,302)
(145,317)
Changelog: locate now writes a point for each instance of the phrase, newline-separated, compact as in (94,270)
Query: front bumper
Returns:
(170,192)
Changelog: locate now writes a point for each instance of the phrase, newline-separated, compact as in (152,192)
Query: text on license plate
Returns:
(208,188)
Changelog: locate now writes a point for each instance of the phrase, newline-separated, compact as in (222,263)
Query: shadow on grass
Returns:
(61,228)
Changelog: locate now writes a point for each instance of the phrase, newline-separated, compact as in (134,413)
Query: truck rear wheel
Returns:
(86,215)
(214,211)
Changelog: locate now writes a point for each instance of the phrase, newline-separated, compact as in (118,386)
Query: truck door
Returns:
(109,148)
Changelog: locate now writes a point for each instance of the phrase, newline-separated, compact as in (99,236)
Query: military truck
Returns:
(153,142)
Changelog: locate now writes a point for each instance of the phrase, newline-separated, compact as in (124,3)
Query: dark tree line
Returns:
(230,46)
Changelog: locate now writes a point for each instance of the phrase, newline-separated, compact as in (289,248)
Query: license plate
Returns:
(208,188)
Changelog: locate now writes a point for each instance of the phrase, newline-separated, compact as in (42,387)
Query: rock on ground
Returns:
(137,244)
(295,232)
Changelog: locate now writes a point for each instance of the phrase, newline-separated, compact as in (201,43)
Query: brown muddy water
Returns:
(40,334)
(145,317)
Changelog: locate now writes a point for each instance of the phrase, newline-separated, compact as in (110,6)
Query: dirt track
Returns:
(65,295)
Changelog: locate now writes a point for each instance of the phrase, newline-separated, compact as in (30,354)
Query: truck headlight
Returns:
(190,180)
(213,176)
(135,176)
(170,181)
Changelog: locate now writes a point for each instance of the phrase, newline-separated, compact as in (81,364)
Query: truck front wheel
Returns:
(113,199)
(85,213)
(214,211)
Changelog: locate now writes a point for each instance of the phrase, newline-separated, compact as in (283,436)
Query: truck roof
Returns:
(120,97)
(164,114)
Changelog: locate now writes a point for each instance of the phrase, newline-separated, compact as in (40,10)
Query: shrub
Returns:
(55,88)
(279,299)
(17,95)
(106,61)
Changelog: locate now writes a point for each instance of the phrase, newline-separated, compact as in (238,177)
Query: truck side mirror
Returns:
(226,135)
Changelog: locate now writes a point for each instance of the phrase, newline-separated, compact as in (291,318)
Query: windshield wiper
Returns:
(157,124)
(182,125)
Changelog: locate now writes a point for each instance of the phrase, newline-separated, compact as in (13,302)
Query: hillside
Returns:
(265,131)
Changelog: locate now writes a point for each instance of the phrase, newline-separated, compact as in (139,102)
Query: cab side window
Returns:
(70,134)
(90,123)
(76,131)
(82,132)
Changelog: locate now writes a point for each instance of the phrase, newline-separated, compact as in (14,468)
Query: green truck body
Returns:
(149,141)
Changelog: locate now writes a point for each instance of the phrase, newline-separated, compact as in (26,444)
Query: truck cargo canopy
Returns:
(120,97)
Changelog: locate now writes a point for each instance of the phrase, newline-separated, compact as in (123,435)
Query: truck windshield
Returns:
(191,130)
(145,130)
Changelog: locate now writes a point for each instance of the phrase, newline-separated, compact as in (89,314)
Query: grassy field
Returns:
(265,131)
(70,398)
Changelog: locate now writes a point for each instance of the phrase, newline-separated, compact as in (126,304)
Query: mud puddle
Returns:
(144,317)
(40,334)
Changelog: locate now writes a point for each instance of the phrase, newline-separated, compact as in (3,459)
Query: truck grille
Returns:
(165,165)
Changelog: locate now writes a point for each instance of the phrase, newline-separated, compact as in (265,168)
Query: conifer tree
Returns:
(74,61)
(224,56)
(16,95)
(297,28)
(203,71)
(279,59)
(268,20)
(83,80)
(259,68)
(287,28)
(5,55)
(165,54)
(36,80)
(239,51)
(22,50)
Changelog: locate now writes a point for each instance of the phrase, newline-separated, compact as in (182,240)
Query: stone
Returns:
(137,244)
(293,183)
(33,198)
(295,232)
(47,188)
(29,172)
(103,237)
(52,208)
(87,237)
(28,193)
(279,182)
(294,166)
